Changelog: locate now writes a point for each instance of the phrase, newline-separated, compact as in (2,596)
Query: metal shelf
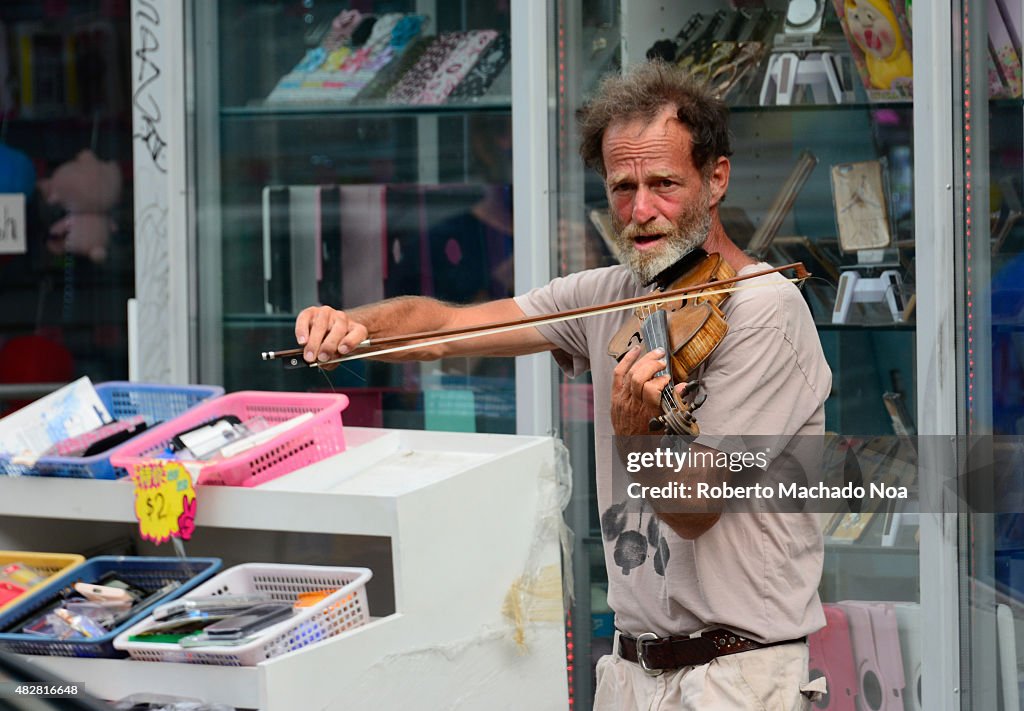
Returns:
(319,110)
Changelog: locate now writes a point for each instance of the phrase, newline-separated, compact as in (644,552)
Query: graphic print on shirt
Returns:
(631,546)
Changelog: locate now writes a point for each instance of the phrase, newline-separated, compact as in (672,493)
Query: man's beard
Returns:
(689,232)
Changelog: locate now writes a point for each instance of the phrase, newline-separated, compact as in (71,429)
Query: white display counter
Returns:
(468,516)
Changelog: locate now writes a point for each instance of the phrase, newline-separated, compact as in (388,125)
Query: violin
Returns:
(688,330)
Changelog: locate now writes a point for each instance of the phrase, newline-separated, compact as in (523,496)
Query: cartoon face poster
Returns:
(879,35)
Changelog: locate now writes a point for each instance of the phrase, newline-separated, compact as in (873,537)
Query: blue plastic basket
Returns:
(143,572)
(157,403)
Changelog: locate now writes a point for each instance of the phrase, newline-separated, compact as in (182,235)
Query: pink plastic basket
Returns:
(313,440)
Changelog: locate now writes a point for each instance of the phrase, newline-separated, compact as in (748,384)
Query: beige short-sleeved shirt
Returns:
(754,572)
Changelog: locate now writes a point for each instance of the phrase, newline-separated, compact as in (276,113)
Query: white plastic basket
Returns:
(342,610)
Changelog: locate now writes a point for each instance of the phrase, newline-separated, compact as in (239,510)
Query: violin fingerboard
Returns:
(655,332)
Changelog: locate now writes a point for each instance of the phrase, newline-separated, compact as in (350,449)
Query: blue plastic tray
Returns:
(144,572)
(157,403)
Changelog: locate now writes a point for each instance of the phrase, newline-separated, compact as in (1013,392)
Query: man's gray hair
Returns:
(641,93)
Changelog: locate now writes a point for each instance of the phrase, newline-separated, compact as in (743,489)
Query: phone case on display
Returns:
(213,604)
(364,226)
(250,621)
(103,593)
(125,433)
(876,654)
(831,656)
(908,620)
(303,257)
(194,436)
(277,269)
(98,440)
(405,224)
(291,232)
(329,245)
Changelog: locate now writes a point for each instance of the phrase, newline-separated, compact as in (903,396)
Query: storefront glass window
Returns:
(813,141)
(332,171)
(66,232)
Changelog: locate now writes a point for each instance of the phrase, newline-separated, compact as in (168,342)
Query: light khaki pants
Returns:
(769,679)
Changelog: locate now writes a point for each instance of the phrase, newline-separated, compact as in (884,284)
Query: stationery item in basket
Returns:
(9,591)
(104,593)
(34,618)
(197,439)
(167,638)
(258,438)
(21,574)
(308,599)
(212,604)
(179,627)
(147,600)
(78,625)
(78,446)
(71,616)
(103,614)
(203,640)
(50,625)
(251,621)
(111,579)
(70,411)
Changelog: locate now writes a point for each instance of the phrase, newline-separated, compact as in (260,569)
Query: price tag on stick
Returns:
(165,500)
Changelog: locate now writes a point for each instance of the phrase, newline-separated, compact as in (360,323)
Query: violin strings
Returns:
(828,282)
(350,371)
(327,377)
(554,319)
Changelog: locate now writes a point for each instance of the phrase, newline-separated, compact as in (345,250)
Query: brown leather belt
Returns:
(655,654)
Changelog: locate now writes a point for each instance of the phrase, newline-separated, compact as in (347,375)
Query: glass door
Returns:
(989,155)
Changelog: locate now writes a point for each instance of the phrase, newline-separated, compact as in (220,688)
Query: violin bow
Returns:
(383,346)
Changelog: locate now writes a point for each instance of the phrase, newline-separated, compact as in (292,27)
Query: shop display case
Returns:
(351,154)
(66,251)
(795,137)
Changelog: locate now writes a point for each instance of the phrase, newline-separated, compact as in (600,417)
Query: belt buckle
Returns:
(640,653)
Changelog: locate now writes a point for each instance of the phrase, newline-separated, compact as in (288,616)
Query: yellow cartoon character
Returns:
(873,26)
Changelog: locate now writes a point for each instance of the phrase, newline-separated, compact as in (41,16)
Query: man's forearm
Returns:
(688,516)
(402,315)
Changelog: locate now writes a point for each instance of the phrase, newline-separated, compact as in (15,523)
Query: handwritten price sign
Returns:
(165,501)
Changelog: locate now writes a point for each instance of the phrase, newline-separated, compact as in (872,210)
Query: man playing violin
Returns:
(712,608)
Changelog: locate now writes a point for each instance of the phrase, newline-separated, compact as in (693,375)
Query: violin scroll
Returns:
(676,415)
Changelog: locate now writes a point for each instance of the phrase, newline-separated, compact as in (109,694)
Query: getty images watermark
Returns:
(823,474)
